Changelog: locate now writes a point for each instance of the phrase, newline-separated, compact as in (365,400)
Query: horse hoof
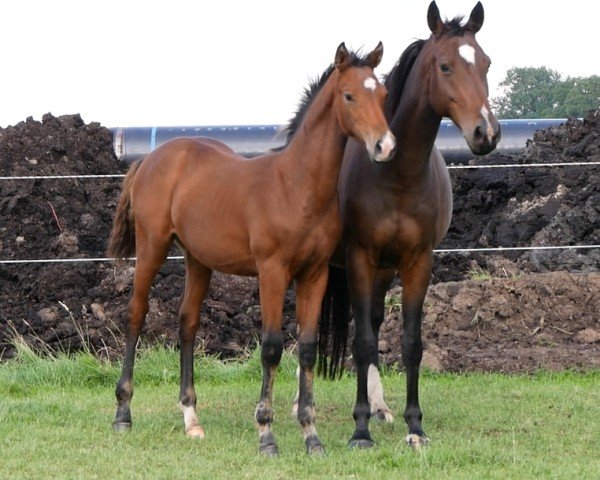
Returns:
(384,416)
(415,441)
(315,448)
(360,443)
(195,432)
(316,451)
(269,450)
(121,426)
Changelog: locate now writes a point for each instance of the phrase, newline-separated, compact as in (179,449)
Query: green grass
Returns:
(479,274)
(55,416)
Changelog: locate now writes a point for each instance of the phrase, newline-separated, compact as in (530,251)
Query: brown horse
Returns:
(393,215)
(274,216)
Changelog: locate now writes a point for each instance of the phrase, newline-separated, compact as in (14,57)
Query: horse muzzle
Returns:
(383,149)
(484,137)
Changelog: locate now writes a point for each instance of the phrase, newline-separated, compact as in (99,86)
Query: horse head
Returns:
(359,100)
(458,85)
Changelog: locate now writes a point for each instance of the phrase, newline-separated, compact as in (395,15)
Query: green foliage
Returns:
(542,93)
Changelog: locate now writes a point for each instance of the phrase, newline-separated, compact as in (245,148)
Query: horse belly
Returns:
(217,238)
(224,255)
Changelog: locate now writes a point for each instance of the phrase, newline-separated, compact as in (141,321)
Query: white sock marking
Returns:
(374,386)
(468,53)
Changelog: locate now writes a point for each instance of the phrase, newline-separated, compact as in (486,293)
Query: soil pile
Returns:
(529,206)
(526,310)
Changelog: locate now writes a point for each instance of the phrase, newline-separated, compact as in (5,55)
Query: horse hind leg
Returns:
(149,260)
(309,294)
(196,285)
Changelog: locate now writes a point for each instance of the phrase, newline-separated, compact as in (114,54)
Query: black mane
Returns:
(395,81)
(310,92)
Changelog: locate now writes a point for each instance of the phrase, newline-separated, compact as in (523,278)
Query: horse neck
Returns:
(414,123)
(313,156)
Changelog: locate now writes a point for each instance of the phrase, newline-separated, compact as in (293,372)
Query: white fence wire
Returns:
(438,251)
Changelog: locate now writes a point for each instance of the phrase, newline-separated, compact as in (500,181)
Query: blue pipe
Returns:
(133,143)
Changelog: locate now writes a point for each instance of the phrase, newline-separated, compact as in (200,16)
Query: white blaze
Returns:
(370,83)
(468,53)
(485,113)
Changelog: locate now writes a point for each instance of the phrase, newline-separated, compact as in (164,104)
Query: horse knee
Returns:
(365,351)
(307,354)
(137,309)
(188,326)
(272,348)
(412,349)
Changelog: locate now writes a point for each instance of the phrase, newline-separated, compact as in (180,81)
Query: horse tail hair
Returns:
(121,243)
(333,325)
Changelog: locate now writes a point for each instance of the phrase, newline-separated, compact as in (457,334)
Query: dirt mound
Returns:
(529,314)
(529,206)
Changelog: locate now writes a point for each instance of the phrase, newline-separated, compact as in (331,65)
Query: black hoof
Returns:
(121,426)
(269,450)
(360,443)
(314,445)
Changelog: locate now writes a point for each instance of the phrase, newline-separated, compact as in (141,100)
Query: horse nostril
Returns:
(378,147)
(479,133)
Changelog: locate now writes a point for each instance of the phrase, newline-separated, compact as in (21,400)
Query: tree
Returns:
(583,95)
(542,93)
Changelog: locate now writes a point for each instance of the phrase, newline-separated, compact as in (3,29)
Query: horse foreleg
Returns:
(309,294)
(379,409)
(415,281)
(146,267)
(272,285)
(361,273)
(196,285)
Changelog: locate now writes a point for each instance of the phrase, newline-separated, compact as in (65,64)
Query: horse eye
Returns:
(348,97)
(445,68)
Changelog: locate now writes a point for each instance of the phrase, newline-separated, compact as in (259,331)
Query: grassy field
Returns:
(55,416)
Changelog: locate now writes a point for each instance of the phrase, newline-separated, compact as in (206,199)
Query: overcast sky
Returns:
(220,62)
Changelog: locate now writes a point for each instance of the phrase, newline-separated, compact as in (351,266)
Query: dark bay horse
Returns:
(394,214)
(274,216)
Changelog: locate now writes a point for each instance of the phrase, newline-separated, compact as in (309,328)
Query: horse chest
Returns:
(397,239)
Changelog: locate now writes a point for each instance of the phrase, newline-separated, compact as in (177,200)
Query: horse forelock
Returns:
(311,91)
(454,27)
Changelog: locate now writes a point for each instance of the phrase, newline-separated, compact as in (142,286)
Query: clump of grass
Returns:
(393,302)
(479,274)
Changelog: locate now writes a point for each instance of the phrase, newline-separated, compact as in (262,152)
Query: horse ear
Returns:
(476,19)
(374,58)
(434,20)
(341,57)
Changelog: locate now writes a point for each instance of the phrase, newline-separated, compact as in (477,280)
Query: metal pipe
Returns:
(133,143)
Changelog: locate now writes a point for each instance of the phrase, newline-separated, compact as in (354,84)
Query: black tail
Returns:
(333,325)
